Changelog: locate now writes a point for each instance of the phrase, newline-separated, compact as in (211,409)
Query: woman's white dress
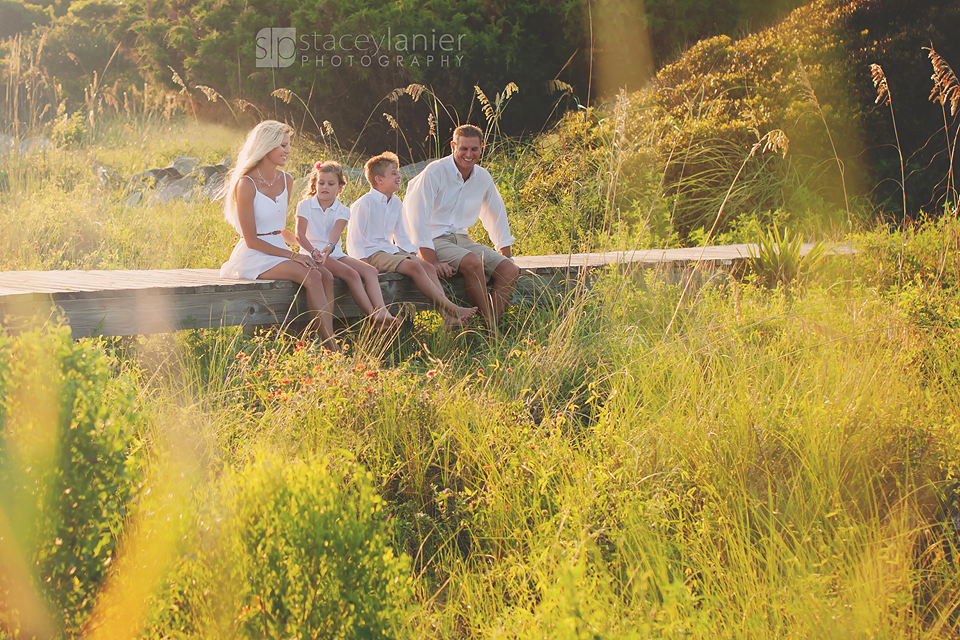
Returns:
(269,215)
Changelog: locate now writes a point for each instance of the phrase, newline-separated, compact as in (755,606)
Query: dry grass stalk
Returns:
(806,88)
(880,83)
(946,88)
(284,94)
(884,98)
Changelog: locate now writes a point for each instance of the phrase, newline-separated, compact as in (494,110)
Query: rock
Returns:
(179,189)
(7,144)
(109,177)
(211,190)
(352,173)
(161,176)
(225,161)
(184,165)
(411,170)
(214,172)
(33,145)
(134,199)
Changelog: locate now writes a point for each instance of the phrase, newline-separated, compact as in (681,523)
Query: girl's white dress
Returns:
(320,222)
(269,215)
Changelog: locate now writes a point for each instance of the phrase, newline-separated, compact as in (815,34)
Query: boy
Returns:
(376,236)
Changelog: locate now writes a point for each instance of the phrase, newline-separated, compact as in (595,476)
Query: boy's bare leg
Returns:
(355,277)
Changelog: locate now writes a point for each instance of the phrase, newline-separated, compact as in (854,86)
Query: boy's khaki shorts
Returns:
(388,262)
(452,247)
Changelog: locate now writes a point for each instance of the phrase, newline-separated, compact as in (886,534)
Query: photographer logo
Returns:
(276,46)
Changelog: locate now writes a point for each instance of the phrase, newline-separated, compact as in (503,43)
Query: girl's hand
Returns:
(326,251)
(317,255)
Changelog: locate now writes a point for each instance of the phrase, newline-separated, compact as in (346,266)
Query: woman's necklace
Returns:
(276,174)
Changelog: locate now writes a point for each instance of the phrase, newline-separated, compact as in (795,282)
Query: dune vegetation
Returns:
(772,451)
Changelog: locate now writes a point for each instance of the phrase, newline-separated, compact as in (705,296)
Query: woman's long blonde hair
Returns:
(264,138)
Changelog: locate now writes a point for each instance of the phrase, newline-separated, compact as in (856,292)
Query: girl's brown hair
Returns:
(330,166)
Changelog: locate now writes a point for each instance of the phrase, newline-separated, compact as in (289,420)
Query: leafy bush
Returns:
(20,17)
(69,465)
(779,259)
(288,550)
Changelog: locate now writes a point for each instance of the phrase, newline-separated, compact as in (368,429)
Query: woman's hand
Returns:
(305,261)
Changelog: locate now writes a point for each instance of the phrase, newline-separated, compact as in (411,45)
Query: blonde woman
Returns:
(256,197)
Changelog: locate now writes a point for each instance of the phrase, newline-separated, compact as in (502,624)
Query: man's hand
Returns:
(444,269)
(506,252)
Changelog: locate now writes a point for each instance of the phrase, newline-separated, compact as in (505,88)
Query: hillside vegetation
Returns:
(764,453)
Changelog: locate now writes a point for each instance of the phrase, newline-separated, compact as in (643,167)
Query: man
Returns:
(446,199)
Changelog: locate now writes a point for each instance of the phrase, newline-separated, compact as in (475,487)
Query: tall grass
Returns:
(782,472)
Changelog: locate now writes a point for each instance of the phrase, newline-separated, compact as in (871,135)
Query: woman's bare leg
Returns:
(319,304)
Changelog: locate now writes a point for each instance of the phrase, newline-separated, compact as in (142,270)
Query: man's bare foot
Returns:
(459,319)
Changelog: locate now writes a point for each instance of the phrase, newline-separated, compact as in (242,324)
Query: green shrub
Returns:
(69,468)
(779,259)
(288,550)
(20,17)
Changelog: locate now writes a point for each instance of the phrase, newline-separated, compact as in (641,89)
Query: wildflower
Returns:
(285,381)
(301,344)
(246,359)
(480,371)
(240,354)
(361,367)
(371,390)
(371,374)
(258,374)
(318,367)
(431,373)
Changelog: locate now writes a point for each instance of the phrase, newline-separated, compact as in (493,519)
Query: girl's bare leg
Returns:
(364,284)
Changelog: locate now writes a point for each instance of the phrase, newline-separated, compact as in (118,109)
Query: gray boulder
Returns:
(184,165)
(411,170)
(109,177)
(31,146)
(7,144)
(179,189)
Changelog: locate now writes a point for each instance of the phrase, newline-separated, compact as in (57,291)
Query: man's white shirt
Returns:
(376,224)
(438,201)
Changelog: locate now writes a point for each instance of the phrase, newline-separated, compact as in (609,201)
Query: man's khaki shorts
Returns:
(388,262)
(452,247)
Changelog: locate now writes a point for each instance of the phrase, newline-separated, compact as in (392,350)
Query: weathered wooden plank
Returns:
(126,302)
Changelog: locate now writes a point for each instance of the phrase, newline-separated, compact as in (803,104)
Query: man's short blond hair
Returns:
(378,165)
(467,131)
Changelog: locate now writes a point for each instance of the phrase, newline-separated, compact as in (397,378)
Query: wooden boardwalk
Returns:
(115,303)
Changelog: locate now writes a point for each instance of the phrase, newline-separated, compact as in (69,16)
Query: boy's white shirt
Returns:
(320,221)
(376,224)
(438,201)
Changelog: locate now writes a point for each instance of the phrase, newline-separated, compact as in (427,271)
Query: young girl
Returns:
(255,204)
(321,218)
